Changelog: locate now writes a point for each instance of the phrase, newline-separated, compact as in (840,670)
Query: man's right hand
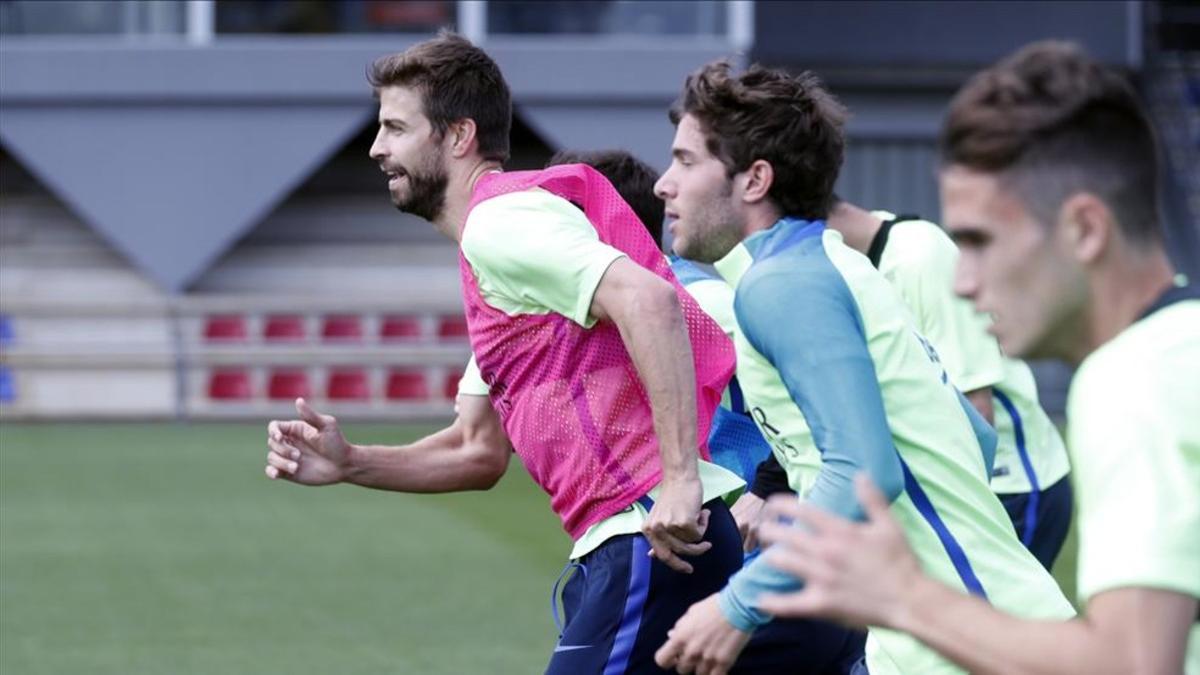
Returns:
(747,511)
(309,451)
(676,524)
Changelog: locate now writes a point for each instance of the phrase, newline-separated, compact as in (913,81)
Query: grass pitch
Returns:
(162,548)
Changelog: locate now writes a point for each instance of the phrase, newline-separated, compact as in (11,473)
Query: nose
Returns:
(663,188)
(377,151)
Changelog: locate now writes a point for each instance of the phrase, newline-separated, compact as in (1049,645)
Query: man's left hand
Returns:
(702,641)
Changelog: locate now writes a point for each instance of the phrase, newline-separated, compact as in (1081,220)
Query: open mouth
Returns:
(393,177)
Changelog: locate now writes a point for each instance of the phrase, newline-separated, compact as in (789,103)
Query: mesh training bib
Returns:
(570,397)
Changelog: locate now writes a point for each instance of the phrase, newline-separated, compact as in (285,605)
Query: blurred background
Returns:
(191,227)
(191,230)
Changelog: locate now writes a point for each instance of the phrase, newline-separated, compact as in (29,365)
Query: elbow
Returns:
(487,466)
(656,297)
(890,480)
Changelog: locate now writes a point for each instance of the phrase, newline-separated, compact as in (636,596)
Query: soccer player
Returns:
(785,646)
(1049,184)
(831,363)
(1030,471)
(602,372)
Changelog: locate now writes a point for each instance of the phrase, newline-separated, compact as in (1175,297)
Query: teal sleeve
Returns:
(815,340)
(984,433)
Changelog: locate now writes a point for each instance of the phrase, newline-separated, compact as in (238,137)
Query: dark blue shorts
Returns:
(1042,520)
(619,603)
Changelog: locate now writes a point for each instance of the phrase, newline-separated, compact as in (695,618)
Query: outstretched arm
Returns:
(866,574)
(471,454)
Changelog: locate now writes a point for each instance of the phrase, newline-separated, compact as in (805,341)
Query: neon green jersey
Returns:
(840,380)
(919,260)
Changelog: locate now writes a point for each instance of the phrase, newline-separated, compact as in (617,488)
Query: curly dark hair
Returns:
(1052,122)
(633,179)
(790,121)
(456,80)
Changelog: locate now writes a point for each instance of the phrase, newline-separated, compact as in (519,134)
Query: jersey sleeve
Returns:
(816,341)
(534,252)
(471,383)
(925,279)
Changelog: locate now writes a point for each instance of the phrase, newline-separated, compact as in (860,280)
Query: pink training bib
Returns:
(570,397)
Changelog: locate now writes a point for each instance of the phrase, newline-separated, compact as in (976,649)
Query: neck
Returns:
(458,196)
(761,218)
(1120,292)
(857,226)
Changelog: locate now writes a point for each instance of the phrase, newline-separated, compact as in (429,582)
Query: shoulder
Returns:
(519,221)
(794,286)
(919,245)
(536,204)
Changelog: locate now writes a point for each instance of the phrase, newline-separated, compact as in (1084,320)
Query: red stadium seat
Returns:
(284,328)
(225,328)
(342,328)
(450,385)
(426,14)
(230,384)
(349,384)
(452,328)
(288,384)
(407,385)
(397,328)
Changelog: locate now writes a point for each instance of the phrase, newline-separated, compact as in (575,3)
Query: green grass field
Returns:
(162,548)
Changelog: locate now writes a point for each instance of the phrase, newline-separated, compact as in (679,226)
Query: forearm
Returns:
(983,640)
(442,462)
(740,597)
(655,335)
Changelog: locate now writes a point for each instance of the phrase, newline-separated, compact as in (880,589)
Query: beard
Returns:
(426,196)
(712,233)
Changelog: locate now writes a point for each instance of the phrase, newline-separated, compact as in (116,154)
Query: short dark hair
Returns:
(633,179)
(790,121)
(1052,122)
(456,80)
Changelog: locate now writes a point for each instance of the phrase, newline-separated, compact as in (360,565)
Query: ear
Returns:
(759,178)
(461,136)
(1088,226)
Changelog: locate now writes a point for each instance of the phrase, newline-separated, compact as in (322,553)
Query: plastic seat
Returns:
(397,328)
(342,328)
(450,385)
(349,384)
(230,384)
(453,328)
(428,14)
(225,328)
(8,332)
(8,385)
(285,385)
(284,328)
(407,385)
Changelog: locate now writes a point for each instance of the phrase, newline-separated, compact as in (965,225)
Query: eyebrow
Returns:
(680,153)
(392,122)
